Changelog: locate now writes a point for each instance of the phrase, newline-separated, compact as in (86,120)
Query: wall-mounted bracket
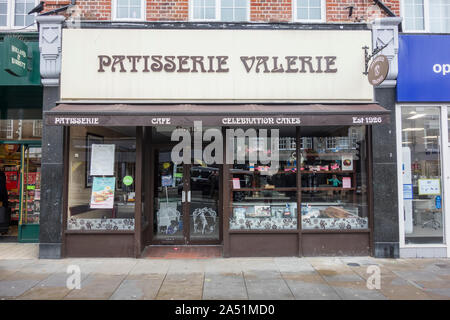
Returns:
(368,57)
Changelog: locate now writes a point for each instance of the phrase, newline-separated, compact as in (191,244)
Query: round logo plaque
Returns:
(378,70)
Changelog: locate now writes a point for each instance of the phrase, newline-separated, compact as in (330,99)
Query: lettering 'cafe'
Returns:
(126,93)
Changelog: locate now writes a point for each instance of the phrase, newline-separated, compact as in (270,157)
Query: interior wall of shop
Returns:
(385,199)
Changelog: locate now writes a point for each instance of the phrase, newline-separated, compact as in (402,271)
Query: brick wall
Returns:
(260,10)
(362,11)
(88,9)
(270,10)
(167,10)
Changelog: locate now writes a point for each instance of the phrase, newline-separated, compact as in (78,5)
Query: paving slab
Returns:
(439,294)
(293,265)
(139,287)
(222,266)
(396,288)
(181,286)
(144,266)
(258,264)
(187,266)
(224,286)
(15,288)
(96,287)
(309,286)
(357,293)
(106,266)
(266,285)
(52,288)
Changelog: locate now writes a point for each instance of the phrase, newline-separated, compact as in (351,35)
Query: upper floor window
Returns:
(309,10)
(128,10)
(426,15)
(14,14)
(220,10)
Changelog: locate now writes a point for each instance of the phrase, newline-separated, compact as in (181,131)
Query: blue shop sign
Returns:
(423,68)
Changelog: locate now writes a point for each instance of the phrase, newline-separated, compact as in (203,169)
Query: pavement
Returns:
(336,278)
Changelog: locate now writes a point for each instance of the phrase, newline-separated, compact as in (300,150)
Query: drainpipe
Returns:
(385,8)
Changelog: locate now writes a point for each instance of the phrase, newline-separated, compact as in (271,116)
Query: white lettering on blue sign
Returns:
(441,68)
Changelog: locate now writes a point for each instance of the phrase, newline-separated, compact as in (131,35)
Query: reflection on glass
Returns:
(20,129)
(31,190)
(104,202)
(263,198)
(421,175)
(334,179)
(204,202)
(168,217)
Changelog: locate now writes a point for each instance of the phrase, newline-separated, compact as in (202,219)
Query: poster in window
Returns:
(102,159)
(102,196)
(11,180)
(346,182)
(90,140)
(429,187)
(347,162)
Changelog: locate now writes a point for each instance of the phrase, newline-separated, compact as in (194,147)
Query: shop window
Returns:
(220,10)
(263,196)
(128,10)
(20,129)
(426,15)
(309,10)
(37,128)
(334,179)
(421,175)
(14,13)
(102,164)
(21,164)
(9,129)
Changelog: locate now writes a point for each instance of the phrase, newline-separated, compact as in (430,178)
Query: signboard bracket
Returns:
(368,57)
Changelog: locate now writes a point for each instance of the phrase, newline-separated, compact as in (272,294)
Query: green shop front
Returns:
(21,132)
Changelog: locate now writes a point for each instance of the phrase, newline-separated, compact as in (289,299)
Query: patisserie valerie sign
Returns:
(214,65)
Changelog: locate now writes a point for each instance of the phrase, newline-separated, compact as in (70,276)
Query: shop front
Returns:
(257,141)
(20,136)
(423,124)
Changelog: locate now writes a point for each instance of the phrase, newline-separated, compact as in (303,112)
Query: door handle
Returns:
(189,196)
(183,196)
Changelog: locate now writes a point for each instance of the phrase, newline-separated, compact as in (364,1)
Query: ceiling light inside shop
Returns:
(413,129)
(417,116)
(430,137)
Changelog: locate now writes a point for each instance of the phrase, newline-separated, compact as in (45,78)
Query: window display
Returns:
(264,199)
(102,194)
(333,188)
(334,179)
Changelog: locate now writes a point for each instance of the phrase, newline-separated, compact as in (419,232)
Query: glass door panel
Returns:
(421,175)
(168,205)
(31,188)
(203,199)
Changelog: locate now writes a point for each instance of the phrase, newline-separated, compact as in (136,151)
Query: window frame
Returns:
(114,12)
(323,13)
(10,14)
(218,5)
(426,18)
